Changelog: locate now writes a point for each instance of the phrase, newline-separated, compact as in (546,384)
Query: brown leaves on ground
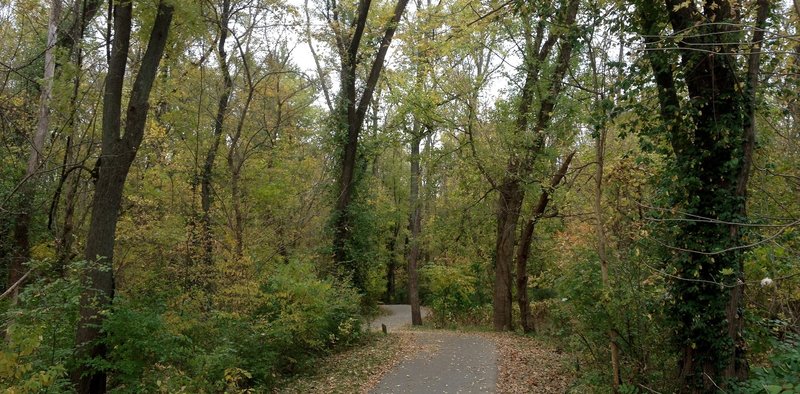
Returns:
(356,370)
(526,365)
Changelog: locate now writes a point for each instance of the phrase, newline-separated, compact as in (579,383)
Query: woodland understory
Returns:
(213,195)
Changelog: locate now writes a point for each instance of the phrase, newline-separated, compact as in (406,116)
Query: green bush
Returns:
(782,374)
(299,317)
(452,295)
(631,306)
(139,344)
(40,331)
(303,316)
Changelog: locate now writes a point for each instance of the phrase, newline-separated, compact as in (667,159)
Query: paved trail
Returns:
(448,362)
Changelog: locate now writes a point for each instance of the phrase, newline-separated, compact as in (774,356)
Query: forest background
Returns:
(208,195)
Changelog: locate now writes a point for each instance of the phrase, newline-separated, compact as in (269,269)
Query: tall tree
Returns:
(350,111)
(117,153)
(83,12)
(539,42)
(414,226)
(712,135)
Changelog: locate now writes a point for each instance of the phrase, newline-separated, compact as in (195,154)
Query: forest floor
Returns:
(439,361)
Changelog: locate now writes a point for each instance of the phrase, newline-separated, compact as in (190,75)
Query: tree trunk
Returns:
(84,12)
(414,226)
(737,365)
(206,192)
(236,158)
(508,208)
(391,266)
(511,193)
(64,240)
(711,165)
(323,82)
(116,155)
(238,216)
(28,189)
(524,249)
(601,248)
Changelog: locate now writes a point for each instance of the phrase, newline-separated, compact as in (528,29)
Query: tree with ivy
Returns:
(707,117)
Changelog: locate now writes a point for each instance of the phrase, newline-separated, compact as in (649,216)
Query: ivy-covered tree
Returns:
(707,116)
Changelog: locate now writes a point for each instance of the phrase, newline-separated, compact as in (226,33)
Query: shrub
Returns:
(782,374)
(299,317)
(303,316)
(139,344)
(452,295)
(153,347)
(40,331)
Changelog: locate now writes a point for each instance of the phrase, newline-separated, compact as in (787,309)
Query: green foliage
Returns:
(139,343)
(631,309)
(453,294)
(781,375)
(302,316)
(40,331)
(298,318)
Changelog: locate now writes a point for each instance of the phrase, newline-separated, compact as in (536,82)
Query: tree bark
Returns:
(391,266)
(737,365)
(508,208)
(711,161)
(237,154)
(83,12)
(601,248)
(524,249)
(116,156)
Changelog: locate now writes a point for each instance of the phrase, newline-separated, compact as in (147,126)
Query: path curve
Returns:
(447,362)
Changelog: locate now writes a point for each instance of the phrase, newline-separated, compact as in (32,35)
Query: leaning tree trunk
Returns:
(236,159)
(116,156)
(519,167)
(350,113)
(206,192)
(524,249)
(84,12)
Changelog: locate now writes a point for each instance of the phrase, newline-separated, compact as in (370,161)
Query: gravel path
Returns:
(447,362)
